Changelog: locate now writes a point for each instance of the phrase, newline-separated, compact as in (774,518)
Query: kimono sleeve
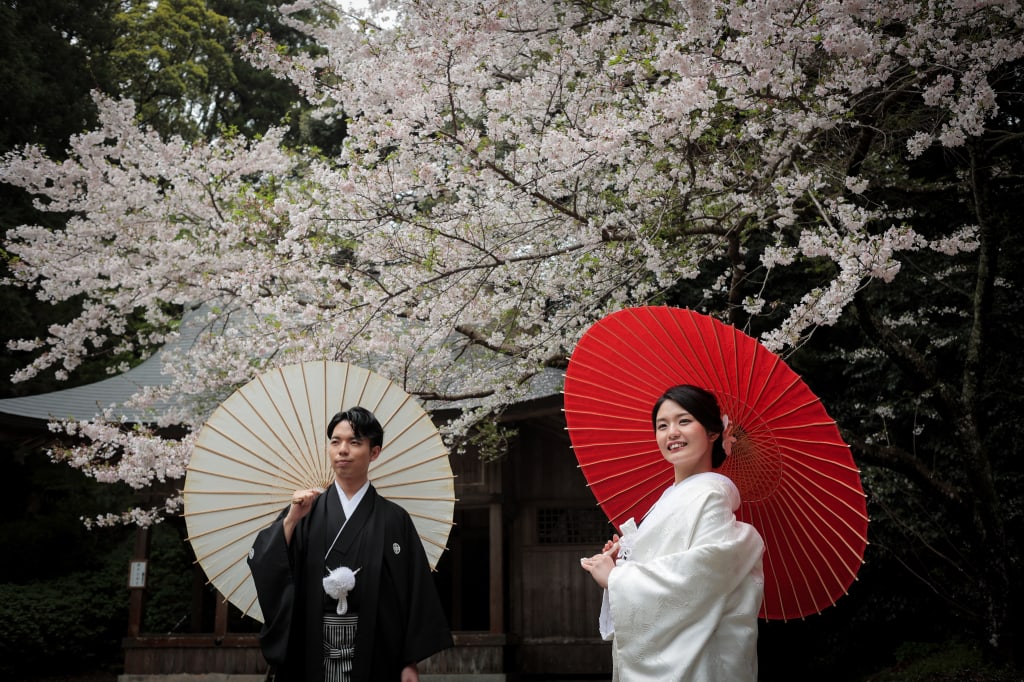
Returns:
(271,570)
(426,628)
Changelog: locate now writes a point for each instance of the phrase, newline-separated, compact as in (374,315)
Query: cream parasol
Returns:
(269,439)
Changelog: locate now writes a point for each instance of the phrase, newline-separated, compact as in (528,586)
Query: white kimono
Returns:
(683,599)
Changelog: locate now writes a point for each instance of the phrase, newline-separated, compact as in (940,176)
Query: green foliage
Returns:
(170,58)
(64,600)
(51,56)
(490,440)
(953,661)
(168,581)
(179,61)
(42,504)
(260,99)
(69,624)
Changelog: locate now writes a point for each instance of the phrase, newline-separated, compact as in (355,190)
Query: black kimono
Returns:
(400,616)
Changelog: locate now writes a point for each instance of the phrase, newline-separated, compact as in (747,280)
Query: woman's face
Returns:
(683,441)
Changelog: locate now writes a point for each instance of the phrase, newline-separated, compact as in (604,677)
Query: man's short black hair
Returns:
(364,425)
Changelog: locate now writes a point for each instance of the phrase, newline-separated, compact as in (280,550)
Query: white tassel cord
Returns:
(338,583)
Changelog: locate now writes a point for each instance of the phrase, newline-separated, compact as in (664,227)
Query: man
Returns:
(390,619)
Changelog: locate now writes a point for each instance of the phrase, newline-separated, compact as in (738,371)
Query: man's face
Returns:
(350,455)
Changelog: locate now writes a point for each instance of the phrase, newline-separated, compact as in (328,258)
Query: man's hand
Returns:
(302,502)
(410,673)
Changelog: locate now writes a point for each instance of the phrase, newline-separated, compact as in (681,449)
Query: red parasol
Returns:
(799,485)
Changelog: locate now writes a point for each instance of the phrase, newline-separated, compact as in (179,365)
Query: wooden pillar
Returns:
(220,618)
(137,581)
(199,592)
(456,567)
(497,562)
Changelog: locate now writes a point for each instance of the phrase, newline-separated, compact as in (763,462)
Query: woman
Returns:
(682,591)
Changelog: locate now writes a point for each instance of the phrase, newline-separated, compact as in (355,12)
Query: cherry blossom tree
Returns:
(513,171)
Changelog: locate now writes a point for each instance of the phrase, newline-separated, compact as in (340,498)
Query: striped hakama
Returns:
(339,646)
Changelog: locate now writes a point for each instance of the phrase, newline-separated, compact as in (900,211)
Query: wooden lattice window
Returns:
(572,526)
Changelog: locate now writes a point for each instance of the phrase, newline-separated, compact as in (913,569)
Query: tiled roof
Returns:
(88,401)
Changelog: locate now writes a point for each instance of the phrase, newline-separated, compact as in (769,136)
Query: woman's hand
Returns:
(599,567)
(611,548)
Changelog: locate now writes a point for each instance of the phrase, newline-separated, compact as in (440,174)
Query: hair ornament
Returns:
(728,440)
